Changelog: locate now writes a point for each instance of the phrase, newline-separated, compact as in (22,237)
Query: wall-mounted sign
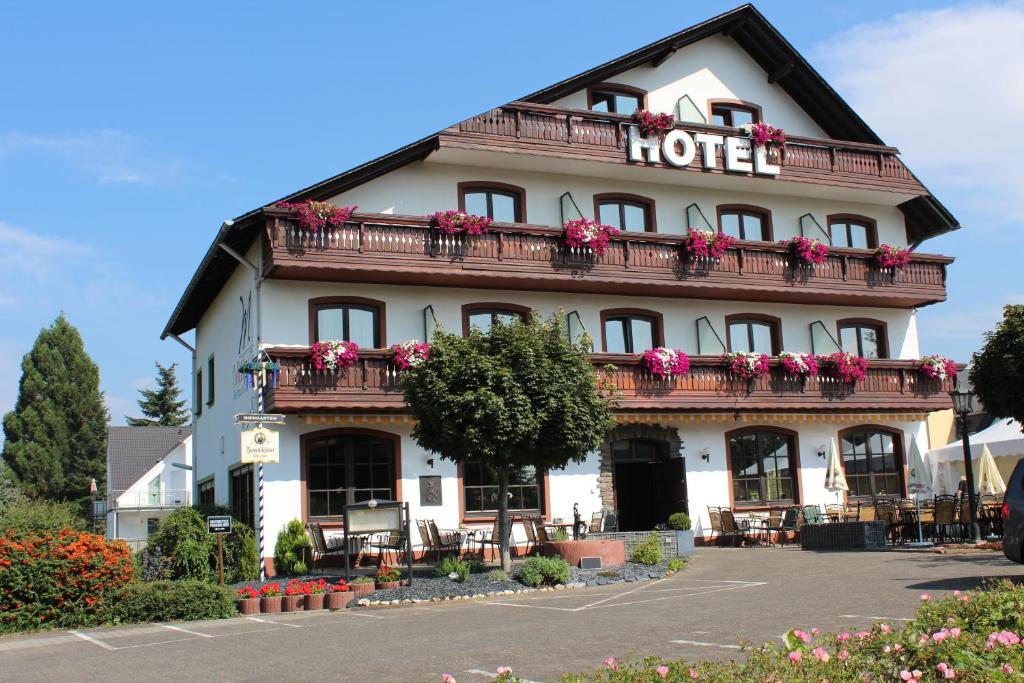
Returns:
(219,524)
(259,418)
(679,148)
(260,446)
(430,490)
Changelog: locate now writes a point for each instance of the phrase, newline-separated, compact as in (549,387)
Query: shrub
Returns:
(680,521)
(182,538)
(363,579)
(452,565)
(675,564)
(241,555)
(649,551)
(25,514)
(152,565)
(62,578)
(184,600)
(544,570)
(292,550)
(496,575)
(560,534)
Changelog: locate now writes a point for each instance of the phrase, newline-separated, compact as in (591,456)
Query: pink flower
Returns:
(886,649)
(897,647)
(954,632)
(843,636)
(1006,669)
(925,597)
(885,628)
(940,636)
(964,598)
(610,663)
(662,362)
(923,639)
(802,635)
(914,675)
(861,635)
(820,653)
(843,655)
(504,670)
(946,670)
(584,233)
(815,631)
(662,671)
(795,656)
(693,674)
(447,678)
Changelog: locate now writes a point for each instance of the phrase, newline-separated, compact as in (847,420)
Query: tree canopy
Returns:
(997,370)
(56,436)
(162,406)
(519,395)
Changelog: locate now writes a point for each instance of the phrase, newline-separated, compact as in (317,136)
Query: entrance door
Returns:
(649,485)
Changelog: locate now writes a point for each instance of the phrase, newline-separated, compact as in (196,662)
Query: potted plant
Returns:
(270,598)
(460,222)
(764,134)
(747,365)
(798,365)
(653,127)
(806,252)
(666,363)
(333,354)
(410,354)
(843,366)
(248,599)
(888,257)
(937,367)
(317,591)
(339,595)
(388,577)
(584,233)
(680,523)
(314,216)
(706,245)
(294,596)
(362,585)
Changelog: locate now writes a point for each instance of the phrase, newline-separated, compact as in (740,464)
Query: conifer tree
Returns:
(161,406)
(56,436)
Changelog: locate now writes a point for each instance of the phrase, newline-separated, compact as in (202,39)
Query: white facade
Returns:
(156,494)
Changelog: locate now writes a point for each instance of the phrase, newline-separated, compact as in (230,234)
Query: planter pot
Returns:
(270,605)
(611,552)
(361,589)
(338,600)
(684,543)
(249,606)
(388,585)
(292,603)
(315,601)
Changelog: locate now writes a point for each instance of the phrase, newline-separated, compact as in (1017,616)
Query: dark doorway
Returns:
(649,485)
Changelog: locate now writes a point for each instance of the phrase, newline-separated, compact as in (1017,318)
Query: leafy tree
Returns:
(27,515)
(521,395)
(161,406)
(9,491)
(997,371)
(56,436)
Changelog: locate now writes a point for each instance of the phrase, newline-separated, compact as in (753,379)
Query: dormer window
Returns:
(734,114)
(616,99)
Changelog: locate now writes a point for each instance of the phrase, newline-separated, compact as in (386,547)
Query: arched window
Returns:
(745,222)
(615,98)
(341,468)
(763,466)
(630,330)
(733,113)
(864,337)
(753,332)
(627,212)
(353,319)
(498,201)
(849,230)
(873,461)
(482,316)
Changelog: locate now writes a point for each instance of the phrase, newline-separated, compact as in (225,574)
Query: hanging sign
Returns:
(260,446)
(259,418)
(679,148)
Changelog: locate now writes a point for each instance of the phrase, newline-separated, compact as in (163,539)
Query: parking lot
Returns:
(723,598)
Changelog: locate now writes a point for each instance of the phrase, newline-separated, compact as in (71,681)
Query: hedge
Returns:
(184,600)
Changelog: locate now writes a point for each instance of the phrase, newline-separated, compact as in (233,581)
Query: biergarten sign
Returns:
(678,148)
(260,446)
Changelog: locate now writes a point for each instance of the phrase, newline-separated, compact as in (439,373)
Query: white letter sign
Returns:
(737,155)
(672,155)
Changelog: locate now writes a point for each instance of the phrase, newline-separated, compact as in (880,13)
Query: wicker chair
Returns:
(886,510)
(531,535)
(775,518)
(443,542)
(493,538)
(730,528)
(945,517)
(321,548)
(715,517)
(393,543)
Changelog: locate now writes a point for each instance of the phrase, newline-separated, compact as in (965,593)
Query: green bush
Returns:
(241,555)
(26,514)
(496,575)
(292,551)
(544,570)
(560,534)
(363,579)
(680,521)
(181,537)
(452,565)
(676,564)
(649,551)
(185,600)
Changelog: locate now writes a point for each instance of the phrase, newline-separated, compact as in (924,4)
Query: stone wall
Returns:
(605,478)
(634,538)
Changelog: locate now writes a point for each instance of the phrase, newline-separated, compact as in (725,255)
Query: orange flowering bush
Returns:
(62,578)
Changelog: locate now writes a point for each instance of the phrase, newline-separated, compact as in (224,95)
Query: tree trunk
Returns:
(503,521)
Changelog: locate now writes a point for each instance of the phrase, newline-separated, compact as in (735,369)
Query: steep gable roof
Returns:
(132,451)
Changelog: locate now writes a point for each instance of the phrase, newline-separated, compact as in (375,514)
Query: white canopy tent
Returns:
(1004,441)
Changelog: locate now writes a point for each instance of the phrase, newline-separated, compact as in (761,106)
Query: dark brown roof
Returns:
(131,451)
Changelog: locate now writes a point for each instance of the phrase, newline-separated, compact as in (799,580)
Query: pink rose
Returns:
(843,636)
(843,655)
(447,678)
(886,628)
(820,653)
(925,597)
(861,635)
(610,663)
(1006,669)
(954,632)
(802,635)
(693,674)
(897,647)
(504,670)
(795,656)
(662,671)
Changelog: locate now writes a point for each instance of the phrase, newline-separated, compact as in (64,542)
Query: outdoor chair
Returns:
(730,528)
(531,534)
(715,517)
(493,538)
(393,543)
(945,517)
(540,530)
(428,545)
(596,523)
(866,512)
(790,520)
(443,542)
(775,518)
(812,515)
(887,511)
(321,548)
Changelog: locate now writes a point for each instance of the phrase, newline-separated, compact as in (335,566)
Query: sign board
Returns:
(260,446)
(678,148)
(590,563)
(219,524)
(381,518)
(259,418)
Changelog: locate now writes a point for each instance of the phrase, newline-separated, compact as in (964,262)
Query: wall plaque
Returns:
(430,490)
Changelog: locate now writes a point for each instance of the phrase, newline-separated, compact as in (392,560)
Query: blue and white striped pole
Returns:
(259,477)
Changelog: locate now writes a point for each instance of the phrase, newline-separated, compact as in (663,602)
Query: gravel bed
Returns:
(630,572)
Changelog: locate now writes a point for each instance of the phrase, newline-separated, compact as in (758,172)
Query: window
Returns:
(207,493)
(151,524)
(616,99)
(872,461)
(498,201)
(734,114)
(210,377)
(627,212)
(628,331)
(153,491)
(858,232)
(745,222)
(241,495)
(348,468)
(865,338)
(753,333)
(480,489)
(484,315)
(199,393)
(762,466)
(348,319)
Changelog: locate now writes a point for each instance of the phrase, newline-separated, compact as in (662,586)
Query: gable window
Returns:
(211,377)
(753,333)
(858,232)
(497,201)
(627,212)
(734,113)
(153,491)
(343,469)
(616,99)
(872,461)
(207,493)
(351,319)
(745,222)
(480,490)
(240,494)
(762,466)
(630,331)
(484,315)
(866,338)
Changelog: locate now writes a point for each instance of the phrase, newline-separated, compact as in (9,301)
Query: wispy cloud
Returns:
(26,252)
(107,156)
(945,86)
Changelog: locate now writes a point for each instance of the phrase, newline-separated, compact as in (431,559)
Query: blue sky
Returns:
(130,131)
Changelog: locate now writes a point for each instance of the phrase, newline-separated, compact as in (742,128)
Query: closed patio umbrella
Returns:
(835,478)
(990,482)
(918,483)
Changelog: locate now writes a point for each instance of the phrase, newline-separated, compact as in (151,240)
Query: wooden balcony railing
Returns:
(371,385)
(406,250)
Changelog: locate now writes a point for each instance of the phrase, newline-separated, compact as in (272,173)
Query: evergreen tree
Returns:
(56,436)
(161,405)
(997,371)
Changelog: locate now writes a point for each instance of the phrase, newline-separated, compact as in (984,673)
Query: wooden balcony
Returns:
(371,386)
(390,249)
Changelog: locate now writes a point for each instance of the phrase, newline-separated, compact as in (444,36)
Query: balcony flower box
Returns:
(333,354)
(764,134)
(706,246)
(315,216)
(460,223)
(339,596)
(747,365)
(270,598)
(410,354)
(806,252)
(584,234)
(798,365)
(652,126)
(937,367)
(888,257)
(666,363)
(248,600)
(845,367)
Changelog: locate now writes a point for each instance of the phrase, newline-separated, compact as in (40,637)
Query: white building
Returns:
(687,443)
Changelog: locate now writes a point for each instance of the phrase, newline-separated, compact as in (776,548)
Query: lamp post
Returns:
(963,406)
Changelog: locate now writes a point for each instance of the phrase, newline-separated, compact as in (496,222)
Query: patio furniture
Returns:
(392,543)
(774,523)
(444,541)
(945,517)
(540,529)
(731,528)
(889,514)
(715,516)
(835,513)
(790,519)
(596,523)
(321,548)
(425,540)
(530,529)
(493,538)
(812,515)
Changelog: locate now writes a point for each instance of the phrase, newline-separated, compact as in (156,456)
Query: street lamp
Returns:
(963,406)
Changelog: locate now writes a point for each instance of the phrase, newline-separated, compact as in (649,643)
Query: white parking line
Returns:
(679,594)
(184,630)
(701,643)
(275,623)
(85,636)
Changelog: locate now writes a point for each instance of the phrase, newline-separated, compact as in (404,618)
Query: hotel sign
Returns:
(678,148)
(260,446)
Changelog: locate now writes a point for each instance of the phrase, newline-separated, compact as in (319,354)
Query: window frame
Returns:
(748,210)
(211,370)
(616,89)
(543,498)
(645,203)
(326,302)
(198,390)
(618,313)
(880,326)
(518,194)
(206,485)
(752,107)
(899,453)
(304,448)
(524,312)
(869,223)
(771,320)
(794,467)
(233,474)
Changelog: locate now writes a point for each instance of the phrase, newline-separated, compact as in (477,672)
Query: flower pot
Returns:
(388,585)
(684,543)
(315,601)
(249,606)
(292,603)
(361,589)
(270,605)
(338,600)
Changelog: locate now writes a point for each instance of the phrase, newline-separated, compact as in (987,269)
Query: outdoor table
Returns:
(755,526)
